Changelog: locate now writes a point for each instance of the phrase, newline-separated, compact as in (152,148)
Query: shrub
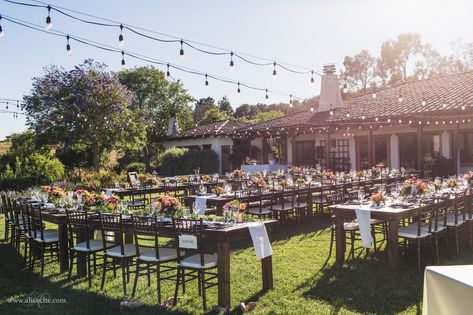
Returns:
(138,167)
(181,161)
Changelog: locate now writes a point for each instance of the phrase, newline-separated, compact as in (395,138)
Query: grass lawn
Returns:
(304,282)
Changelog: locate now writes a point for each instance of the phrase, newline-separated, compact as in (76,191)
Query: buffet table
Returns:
(448,290)
(263,167)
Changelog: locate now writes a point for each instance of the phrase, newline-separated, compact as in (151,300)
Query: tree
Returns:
(212,115)
(156,99)
(395,56)
(265,116)
(84,105)
(360,70)
(201,107)
(225,107)
(246,111)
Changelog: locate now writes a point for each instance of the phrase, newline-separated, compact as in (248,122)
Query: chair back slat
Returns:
(145,233)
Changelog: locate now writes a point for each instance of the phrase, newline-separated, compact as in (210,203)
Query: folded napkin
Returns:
(363,216)
(201,204)
(260,238)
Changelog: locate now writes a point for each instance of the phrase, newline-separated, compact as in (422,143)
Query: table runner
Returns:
(363,217)
(260,239)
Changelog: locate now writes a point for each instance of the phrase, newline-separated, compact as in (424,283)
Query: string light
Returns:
(49,24)
(345,88)
(312,77)
(206,80)
(68,47)
(232,65)
(1,28)
(181,52)
(121,40)
(274,70)
(238,89)
(290,100)
(123,60)
(312,109)
(266,94)
(400,96)
(363,117)
(374,91)
(444,104)
(168,73)
(423,100)
(463,107)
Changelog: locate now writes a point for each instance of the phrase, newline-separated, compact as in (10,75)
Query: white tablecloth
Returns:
(363,216)
(201,204)
(448,290)
(260,238)
(263,167)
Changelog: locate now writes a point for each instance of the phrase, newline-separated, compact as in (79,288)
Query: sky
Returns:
(308,33)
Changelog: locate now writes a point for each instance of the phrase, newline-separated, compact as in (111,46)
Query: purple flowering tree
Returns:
(86,105)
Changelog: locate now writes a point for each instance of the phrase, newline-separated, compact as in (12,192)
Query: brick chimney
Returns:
(173,127)
(330,95)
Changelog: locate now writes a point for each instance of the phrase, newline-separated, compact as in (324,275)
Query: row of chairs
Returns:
(182,263)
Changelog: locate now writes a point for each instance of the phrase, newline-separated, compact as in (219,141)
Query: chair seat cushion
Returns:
(451,219)
(165,254)
(283,207)
(38,233)
(50,237)
(264,211)
(425,227)
(377,221)
(407,232)
(350,226)
(210,261)
(300,205)
(128,249)
(94,246)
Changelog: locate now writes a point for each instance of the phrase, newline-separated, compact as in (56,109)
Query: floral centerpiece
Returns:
(469,178)
(377,200)
(346,176)
(167,205)
(183,179)
(55,193)
(295,170)
(259,182)
(234,207)
(452,183)
(218,190)
(151,181)
(300,181)
(206,178)
(111,203)
(375,171)
(417,185)
(239,173)
(250,161)
(360,174)
(283,182)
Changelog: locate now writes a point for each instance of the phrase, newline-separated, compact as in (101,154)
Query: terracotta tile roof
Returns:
(442,96)
(290,121)
(223,128)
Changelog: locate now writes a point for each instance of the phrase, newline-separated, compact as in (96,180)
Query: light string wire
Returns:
(144,58)
(192,44)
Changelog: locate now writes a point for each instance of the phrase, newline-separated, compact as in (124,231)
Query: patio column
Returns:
(370,148)
(455,148)
(328,161)
(394,142)
(420,149)
(265,150)
(446,144)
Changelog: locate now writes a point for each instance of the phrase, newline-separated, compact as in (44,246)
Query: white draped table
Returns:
(263,167)
(448,290)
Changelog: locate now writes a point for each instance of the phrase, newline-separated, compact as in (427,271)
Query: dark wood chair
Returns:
(200,265)
(44,241)
(150,253)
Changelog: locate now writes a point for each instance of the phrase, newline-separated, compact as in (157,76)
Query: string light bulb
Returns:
(345,88)
(68,47)
(312,81)
(463,107)
(181,52)
(206,80)
(232,64)
(49,24)
(423,100)
(374,91)
(312,109)
(290,100)
(444,104)
(123,60)
(168,73)
(266,94)
(400,97)
(121,40)
(1,29)
(238,89)
(274,70)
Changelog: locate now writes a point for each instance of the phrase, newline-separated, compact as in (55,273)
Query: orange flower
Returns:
(242,207)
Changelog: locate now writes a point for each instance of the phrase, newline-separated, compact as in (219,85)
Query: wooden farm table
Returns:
(391,215)
(222,237)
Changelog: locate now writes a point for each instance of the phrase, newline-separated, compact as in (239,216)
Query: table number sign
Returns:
(188,241)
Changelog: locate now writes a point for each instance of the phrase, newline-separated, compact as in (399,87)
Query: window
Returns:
(362,153)
(380,150)
(408,151)
(340,158)
(305,153)
(431,146)
(466,149)
(206,146)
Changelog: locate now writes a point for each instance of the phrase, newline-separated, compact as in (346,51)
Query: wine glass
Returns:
(202,189)
(361,196)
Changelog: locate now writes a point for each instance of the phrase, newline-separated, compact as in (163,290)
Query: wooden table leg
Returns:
(339,240)
(393,245)
(223,252)
(267,272)
(219,210)
(63,248)
(128,238)
(81,259)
